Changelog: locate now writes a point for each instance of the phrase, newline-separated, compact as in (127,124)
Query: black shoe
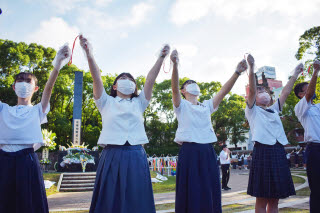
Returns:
(227,188)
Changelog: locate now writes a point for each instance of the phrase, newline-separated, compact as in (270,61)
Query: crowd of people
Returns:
(123,182)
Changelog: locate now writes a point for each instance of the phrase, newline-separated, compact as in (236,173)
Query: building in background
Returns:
(274,85)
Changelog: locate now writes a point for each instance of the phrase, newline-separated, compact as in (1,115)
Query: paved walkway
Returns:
(238,183)
(81,200)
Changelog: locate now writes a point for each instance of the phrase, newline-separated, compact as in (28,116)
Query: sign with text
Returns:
(76,131)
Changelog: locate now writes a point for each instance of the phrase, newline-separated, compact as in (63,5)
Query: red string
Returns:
(164,64)
(309,68)
(70,62)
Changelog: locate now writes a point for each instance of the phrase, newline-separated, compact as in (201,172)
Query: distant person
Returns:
(288,159)
(225,167)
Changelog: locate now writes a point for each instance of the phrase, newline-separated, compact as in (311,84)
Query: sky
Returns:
(211,36)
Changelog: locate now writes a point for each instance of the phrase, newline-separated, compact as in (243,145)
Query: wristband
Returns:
(239,73)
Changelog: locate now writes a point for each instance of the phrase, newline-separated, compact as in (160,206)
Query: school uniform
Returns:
(21,182)
(309,117)
(269,175)
(198,179)
(225,168)
(123,182)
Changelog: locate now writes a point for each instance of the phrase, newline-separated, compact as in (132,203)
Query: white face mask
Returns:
(126,86)
(263,98)
(24,89)
(193,89)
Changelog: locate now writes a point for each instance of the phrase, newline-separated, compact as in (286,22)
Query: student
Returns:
(245,161)
(270,178)
(225,167)
(308,114)
(198,179)
(123,182)
(21,182)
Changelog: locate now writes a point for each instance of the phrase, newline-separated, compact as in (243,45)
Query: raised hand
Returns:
(165,51)
(250,60)
(316,65)
(174,57)
(242,66)
(298,69)
(62,57)
(85,44)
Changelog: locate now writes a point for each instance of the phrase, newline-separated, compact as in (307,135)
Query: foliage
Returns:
(309,43)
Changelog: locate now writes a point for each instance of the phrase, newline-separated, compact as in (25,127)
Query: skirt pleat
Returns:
(21,183)
(123,182)
(270,175)
(198,186)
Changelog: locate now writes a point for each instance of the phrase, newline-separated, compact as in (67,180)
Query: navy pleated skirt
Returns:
(198,187)
(21,183)
(123,182)
(270,175)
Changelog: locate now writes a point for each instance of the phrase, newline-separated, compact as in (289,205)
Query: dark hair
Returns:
(298,88)
(24,75)
(186,82)
(113,92)
(224,146)
(265,88)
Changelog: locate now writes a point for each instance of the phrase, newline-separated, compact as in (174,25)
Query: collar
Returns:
(121,99)
(22,106)
(267,109)
(198,103)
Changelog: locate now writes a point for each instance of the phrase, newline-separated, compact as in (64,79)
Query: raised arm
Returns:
(94,69)
(242,66)
(176,97)
(287,89)
(60,60)
(313,82)
(153,73)
(252,82)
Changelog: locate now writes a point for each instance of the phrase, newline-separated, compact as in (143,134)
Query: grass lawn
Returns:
(297,179)
(291,210)
(236,208)
(166,186)
(52,177)
(303,192)
(166,206)
(302,174)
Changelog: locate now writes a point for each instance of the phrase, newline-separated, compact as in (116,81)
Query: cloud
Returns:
(185,11)
(53,33)
(138,15)
(102,3)
(95,18)
(63,6)
(186,50)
